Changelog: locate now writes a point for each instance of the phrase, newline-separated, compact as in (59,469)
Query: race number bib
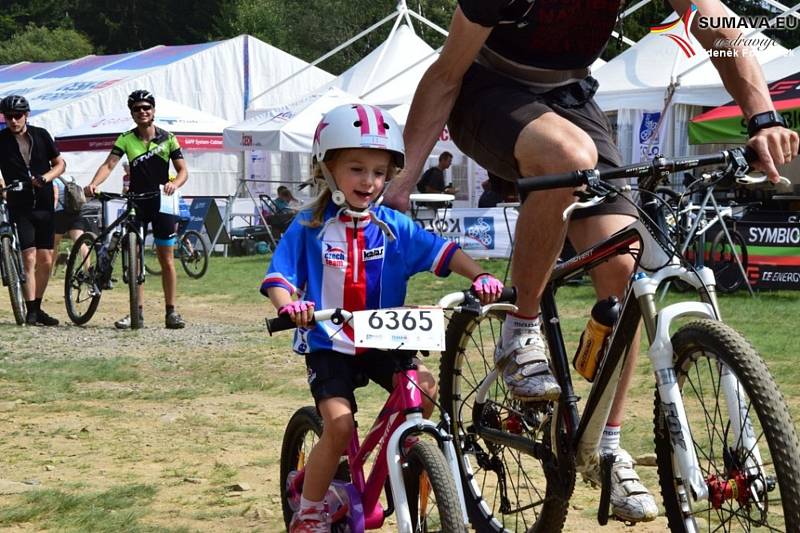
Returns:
(406,328)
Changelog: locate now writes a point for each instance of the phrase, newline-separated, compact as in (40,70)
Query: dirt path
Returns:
(190,422)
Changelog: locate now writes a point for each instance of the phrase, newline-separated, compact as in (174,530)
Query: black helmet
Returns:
(141,96)
(14,103)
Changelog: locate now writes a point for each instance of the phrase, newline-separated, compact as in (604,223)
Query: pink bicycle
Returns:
(416,473)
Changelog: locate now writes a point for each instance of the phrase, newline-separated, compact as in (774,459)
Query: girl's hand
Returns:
(487,288)
(300,311)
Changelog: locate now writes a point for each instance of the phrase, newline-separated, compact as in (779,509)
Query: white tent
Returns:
(287,128)
(217,77)
(782,66)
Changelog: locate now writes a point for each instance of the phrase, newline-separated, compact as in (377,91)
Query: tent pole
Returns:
(383,50)
(428,22)
(396,75)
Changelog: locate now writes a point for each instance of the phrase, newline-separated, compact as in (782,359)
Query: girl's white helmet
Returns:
(358,126)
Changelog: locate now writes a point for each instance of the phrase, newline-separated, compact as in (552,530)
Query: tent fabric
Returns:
(287,128)
(389,74)
(217,77)
(639,77)
(194,129)
(726,124)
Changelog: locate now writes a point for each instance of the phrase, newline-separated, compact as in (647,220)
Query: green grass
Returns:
(114,510)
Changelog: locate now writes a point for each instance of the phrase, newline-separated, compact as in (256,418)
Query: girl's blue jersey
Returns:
(352,264)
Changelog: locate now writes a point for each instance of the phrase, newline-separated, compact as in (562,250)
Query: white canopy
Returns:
(389,75)
(195,129)
(782,66)
(638,77)
(286,128)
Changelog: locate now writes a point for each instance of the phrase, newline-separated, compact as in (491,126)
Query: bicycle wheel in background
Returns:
(753,474)
(82,284)
(432,495)
(151,263)
(722,260)
(193,253)
(505,489)
(673,226)
(131,266)
(11,266)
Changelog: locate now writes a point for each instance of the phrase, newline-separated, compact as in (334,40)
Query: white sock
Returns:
(308,504)
(610,439)
(515,325)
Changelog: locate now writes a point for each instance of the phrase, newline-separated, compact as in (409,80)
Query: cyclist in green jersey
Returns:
(149,150)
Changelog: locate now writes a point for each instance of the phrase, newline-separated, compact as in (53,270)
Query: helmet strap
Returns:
(338,196)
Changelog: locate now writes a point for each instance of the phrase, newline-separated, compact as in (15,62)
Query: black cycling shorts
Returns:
(64,222)
(35,229)
(491,111)
(164,225)
(337,375)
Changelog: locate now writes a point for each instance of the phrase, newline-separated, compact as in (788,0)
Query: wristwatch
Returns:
(767,119)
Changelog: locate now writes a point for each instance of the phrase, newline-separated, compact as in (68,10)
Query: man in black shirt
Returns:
(512,82)
(432,180)
(29,155)
(490,197)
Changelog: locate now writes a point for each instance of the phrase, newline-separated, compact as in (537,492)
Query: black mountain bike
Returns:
(11,269)
(91,262)
(727,451)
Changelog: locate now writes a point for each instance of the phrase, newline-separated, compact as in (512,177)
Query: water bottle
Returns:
(593,340)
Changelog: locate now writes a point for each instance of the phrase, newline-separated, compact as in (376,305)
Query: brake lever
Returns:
(581,205)
(747,179)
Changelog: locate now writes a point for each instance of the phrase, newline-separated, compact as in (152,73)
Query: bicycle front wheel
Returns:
(506,487)
(301,435)
(82,281)
(132,268)
(742,433)
(723,261)
(431,491)
(194,254)
(11,268)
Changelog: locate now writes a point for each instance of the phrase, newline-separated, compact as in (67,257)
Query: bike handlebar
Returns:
(339,316)
(659,167)
(107,196)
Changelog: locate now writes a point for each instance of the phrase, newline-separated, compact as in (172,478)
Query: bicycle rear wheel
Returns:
(759,463)
(82,284)
(723,261)
(505,489)
(194,254)
(11,268)
(132,268)
(431,491)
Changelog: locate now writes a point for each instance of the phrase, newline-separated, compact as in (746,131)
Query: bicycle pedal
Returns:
(604,505)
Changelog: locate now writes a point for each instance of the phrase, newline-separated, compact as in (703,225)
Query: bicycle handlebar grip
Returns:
(750,155)
(509,295)
(281,323)
(554,181)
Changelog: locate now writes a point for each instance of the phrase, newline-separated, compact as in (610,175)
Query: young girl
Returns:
(346,251)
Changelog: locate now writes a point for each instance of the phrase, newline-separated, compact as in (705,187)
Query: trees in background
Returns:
(48,30)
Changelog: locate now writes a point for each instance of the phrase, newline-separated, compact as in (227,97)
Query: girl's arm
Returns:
(464,265)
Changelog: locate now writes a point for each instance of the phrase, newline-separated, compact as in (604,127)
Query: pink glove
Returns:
(487,287)
(297,306)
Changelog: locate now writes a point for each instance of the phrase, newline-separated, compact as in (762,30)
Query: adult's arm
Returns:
(57,168)
(433,100)
(180,179)
(103,171)
(744,80)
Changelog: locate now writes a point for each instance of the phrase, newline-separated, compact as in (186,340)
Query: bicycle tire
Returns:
(194,254)
(11,265)
(295,449)
(723,262)
(151,263)
(487,468)
(132,269)
(700,349)
(427,473)
(82,288)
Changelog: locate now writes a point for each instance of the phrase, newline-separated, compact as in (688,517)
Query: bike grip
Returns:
(280,323)
(553,181)
(509,295)
(750,155)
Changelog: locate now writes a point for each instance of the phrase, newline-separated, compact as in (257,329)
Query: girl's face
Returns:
(360,174)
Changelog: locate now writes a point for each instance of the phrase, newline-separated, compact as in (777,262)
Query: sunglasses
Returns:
(138,108)
(14,116)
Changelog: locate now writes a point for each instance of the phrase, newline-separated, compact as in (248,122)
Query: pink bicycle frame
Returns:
(405,398)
